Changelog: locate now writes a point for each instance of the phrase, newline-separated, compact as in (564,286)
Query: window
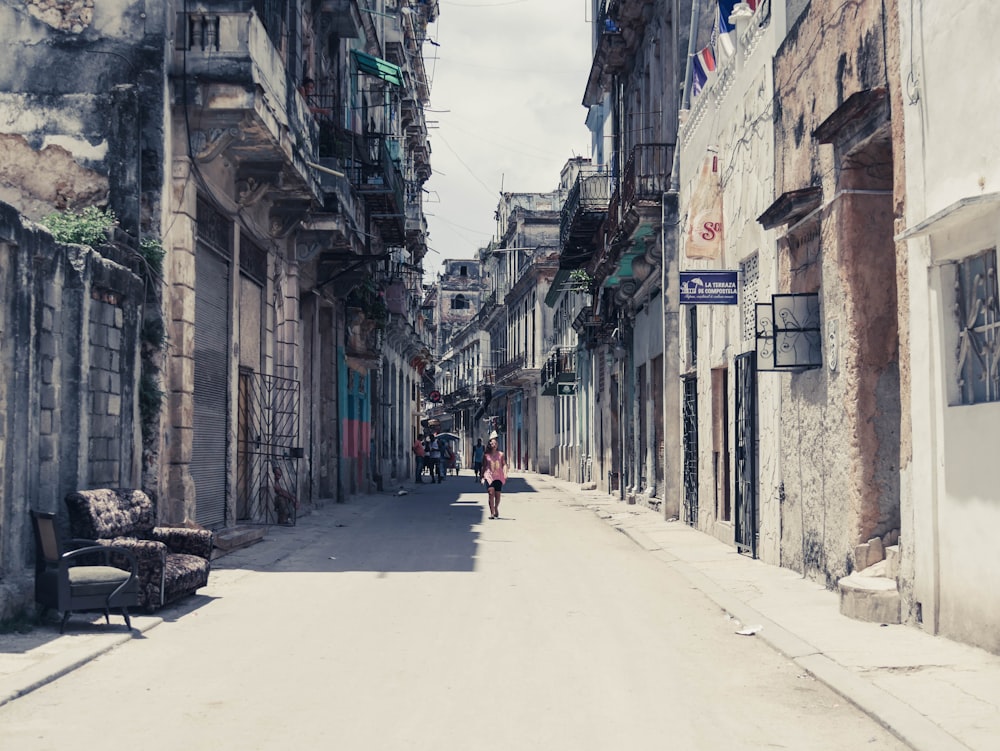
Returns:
(749,276)
(692,336)
(978,320)
(459,302)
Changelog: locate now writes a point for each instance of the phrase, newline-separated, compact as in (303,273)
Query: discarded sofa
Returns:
(173,561)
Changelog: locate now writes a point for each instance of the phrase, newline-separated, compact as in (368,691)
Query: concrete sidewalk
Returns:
(933,693)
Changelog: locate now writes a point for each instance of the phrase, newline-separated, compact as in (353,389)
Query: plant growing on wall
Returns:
(93,227)
(88,227)
(580,281)
(371,300)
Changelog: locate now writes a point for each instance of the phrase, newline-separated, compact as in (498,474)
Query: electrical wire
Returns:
(467,167)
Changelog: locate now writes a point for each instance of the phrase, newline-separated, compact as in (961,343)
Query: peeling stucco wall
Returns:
(69,372)
(841,459)
(65,15)
(39,181)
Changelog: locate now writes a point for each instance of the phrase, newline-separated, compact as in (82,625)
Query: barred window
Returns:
(978,319)
(750,275)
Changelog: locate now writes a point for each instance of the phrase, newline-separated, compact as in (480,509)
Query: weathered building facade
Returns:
(70,369)
(462,345)
(520,268)
(948,290)
(793,411)
(630,327)
(276,152)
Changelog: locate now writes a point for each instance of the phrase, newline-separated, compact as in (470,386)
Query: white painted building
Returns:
(952,229)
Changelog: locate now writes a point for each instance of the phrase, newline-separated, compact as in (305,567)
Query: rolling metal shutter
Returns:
(211,376)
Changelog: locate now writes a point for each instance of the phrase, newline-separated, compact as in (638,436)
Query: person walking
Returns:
(434,457)
(494,473)
(477,459)
(418,457)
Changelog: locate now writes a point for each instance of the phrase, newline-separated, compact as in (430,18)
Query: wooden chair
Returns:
(70,582)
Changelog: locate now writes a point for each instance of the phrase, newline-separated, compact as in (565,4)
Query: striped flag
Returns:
(703,63)
(725,32)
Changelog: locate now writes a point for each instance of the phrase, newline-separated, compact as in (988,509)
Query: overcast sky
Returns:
(505,114)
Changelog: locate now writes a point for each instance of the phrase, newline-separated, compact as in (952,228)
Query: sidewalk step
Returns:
(235,538)
(874,599)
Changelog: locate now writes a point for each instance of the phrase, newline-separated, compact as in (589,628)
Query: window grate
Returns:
(978,314)
(750,276)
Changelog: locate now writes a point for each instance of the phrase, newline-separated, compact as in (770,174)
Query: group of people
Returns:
(489,464)
(434,454)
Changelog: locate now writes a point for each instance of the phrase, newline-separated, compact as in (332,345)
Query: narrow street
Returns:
(415,622)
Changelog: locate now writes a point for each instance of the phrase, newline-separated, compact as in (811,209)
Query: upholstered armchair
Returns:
(173,561)
(81,579)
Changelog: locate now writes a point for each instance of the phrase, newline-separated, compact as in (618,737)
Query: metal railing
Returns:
(645,179)
(590,194)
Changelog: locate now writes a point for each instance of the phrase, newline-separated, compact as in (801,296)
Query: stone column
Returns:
(177,492)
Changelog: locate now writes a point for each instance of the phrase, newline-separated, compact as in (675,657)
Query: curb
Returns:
(49,669)
(906,723)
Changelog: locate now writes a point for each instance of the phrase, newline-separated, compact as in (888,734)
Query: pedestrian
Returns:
(494,473)
(477,459)
(433,457)
(418,457)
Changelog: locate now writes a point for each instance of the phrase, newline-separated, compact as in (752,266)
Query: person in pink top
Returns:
(494,474)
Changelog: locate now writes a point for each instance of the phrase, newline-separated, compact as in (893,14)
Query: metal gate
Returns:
(268,449)
(747,516)
(691,450)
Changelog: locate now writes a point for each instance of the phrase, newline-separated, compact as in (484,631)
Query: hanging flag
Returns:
(703,63)
(725,32)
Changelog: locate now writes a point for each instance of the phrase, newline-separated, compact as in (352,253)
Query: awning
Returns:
(376,66)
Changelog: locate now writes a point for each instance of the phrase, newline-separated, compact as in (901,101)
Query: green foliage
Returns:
(580,281)
(154,333)
(152,253)
(88,227)
(150,401)
(370,299)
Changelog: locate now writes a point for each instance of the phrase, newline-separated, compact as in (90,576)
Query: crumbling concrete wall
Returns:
(840,423)
(69,374)
(82,106)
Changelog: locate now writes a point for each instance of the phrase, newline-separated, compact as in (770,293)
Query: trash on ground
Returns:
(749,630)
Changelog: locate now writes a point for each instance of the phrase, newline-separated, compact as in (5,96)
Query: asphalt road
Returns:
(416,622)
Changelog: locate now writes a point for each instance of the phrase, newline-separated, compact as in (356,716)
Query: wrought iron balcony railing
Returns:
(584,211)
(511,367)
(645,179)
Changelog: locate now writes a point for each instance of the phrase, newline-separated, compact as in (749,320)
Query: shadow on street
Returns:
(433,527)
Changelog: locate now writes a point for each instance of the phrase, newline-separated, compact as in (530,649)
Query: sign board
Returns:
(709,287)
(788,333)
(434,396)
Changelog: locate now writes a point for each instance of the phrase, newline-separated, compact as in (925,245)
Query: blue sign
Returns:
(709,287)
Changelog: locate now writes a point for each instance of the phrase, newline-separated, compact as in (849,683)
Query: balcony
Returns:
(416,231)
(379,180)
(461,398)
(242,107)
(591,328)
(622,24)
(583,213)
(558,372)
(515,372)
(511,369)
(635,209)
(371,165)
